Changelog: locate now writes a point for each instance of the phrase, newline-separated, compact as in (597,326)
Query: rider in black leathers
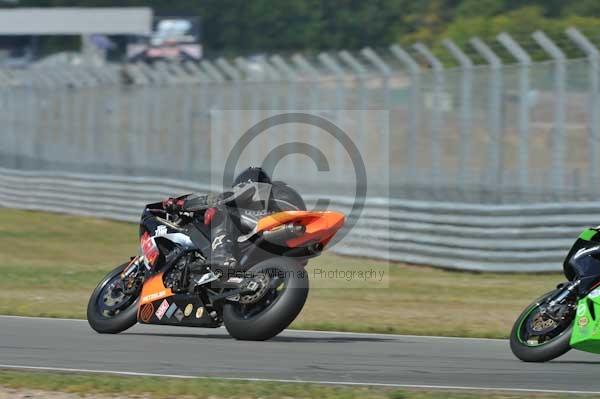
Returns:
(219,215)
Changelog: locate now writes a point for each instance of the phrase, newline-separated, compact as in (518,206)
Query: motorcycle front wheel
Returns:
(535,338)
(110,310)
(268,312)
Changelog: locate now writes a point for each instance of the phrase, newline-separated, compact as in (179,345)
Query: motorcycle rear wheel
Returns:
(125,313)
(277,309)
(552,347)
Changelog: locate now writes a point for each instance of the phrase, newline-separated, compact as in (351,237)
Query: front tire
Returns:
(551,348)
(123,319)
(287,300)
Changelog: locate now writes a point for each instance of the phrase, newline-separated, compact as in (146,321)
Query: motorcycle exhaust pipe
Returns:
(310,250)
(282,234)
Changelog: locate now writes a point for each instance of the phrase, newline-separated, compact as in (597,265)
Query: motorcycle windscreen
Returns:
(586,327)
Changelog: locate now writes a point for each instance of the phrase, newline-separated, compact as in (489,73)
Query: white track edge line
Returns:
(292,330)
(298,381)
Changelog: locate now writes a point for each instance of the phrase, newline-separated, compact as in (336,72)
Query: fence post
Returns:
(215,106)
(466,88)
(186,114)
(36,84)
(523,120)
(340,95)
(169,92)
(212,71)
(201,88)
(152,99)
(414,117)
(234,74)
(292,77)
(7,109)
(437,113)
(236,78)
(183,82)
(494,118)
(4,117)
(594,102)
(386,72)
(96,142)
(559,150)
(272,75)
(147,125)
(360,73)
(195,71)
(86,114)
(384,69)
(314,77)
(253,92)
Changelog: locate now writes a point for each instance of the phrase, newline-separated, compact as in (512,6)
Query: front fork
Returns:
(132,273)
(555,304)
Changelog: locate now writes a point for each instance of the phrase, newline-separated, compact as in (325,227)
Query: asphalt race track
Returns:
(393,360)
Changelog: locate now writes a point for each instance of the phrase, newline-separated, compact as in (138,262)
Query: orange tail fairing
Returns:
(321,226)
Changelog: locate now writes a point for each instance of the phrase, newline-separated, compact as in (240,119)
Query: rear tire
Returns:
(110,325)
(544,352)
(278,315)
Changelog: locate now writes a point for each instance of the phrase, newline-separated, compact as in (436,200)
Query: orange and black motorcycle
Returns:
(259,303)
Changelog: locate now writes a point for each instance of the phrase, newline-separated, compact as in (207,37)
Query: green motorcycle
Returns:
(569,316)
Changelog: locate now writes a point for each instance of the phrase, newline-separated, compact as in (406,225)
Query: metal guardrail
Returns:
(515,238)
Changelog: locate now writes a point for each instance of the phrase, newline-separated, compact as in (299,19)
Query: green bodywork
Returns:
(586,327)
(588,234)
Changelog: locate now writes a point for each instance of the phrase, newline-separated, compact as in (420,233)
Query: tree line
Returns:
(249,26)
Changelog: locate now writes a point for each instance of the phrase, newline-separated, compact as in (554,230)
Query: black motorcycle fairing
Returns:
(583,262)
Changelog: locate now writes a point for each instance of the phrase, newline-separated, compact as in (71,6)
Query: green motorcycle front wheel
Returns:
(535,338)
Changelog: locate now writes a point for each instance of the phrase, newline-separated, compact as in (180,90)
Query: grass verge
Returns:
(50,263)
(153,387)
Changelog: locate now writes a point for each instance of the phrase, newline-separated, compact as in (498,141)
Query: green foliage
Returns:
(520,24)
(478,8)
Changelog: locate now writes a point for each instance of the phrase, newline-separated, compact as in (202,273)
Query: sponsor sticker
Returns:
(179,314)
(146,312)
(199,312)
(161,231)
(171,310)
(154,297)
(149,249)
(188,309)
(583,321)
(594,294)
(581,309)
(160,312)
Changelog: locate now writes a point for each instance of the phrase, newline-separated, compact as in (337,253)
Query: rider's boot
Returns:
(222,260)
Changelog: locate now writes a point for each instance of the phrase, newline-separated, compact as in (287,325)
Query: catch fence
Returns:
(482,165)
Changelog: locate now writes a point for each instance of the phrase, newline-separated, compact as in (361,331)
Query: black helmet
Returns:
(252,174)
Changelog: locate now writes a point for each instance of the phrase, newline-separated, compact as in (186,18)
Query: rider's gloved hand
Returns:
(173,205)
